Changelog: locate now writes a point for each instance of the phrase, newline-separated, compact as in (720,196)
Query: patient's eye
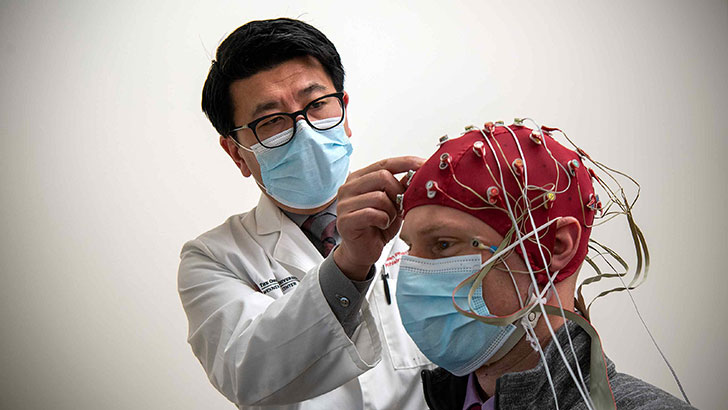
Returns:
(443,247)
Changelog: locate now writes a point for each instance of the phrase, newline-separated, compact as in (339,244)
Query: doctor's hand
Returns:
(367,214)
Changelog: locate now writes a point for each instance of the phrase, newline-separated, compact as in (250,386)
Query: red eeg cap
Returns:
(458,156)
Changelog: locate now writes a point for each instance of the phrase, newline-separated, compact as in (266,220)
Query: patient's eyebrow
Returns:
(429,229)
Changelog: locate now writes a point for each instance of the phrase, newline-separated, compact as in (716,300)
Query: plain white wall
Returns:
(108,166)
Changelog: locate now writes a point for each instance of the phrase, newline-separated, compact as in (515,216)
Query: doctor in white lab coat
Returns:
(274,322)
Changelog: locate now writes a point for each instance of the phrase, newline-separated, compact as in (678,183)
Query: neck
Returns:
(522,357)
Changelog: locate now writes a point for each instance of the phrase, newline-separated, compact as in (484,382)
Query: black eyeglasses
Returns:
(275,130)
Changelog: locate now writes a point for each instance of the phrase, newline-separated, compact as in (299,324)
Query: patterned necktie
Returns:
(322,227)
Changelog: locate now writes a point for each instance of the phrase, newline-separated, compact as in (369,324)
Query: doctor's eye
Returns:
(318,104)
(269,122)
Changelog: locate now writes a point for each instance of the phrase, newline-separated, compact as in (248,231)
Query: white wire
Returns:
(636,309)
(519,241)
(538,243)
(514,244)
(532,334)
(540,249)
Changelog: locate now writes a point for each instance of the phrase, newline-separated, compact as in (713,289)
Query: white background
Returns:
(108,166)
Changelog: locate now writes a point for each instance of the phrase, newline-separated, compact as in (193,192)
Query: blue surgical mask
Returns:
(453,341)
(307,172)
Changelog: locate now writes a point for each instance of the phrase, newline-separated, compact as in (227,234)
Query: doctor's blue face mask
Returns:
(307,172)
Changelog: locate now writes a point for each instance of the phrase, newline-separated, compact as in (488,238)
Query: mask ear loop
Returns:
(477,278)
(239,145)
(474,281)
(525,327)
(244,148)
(262,187)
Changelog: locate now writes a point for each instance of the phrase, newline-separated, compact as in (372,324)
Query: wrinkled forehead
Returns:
(441,221)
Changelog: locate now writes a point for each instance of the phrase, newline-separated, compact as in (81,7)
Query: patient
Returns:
(498,222)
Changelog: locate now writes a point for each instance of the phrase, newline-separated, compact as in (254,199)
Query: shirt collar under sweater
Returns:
(528,389)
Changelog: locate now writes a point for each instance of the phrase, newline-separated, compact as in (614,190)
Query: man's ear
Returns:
(345,98)
(232,150)
(566,243)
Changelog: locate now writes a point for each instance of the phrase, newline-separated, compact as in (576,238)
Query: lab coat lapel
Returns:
(293,250)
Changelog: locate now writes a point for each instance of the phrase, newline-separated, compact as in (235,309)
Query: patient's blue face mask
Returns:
(307,172)
(453,341)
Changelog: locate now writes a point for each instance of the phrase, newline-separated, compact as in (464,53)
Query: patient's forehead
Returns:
(428,220)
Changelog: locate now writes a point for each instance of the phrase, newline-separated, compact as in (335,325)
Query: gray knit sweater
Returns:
(530,389)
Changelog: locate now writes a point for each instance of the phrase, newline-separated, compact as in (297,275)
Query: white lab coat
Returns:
(265,335)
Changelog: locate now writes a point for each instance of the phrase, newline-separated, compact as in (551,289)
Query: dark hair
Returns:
(258,46)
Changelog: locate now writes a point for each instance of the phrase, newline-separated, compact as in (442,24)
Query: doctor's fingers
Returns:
(393,229)
(394,165)
(356,222)
(381,180)
(378,200)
